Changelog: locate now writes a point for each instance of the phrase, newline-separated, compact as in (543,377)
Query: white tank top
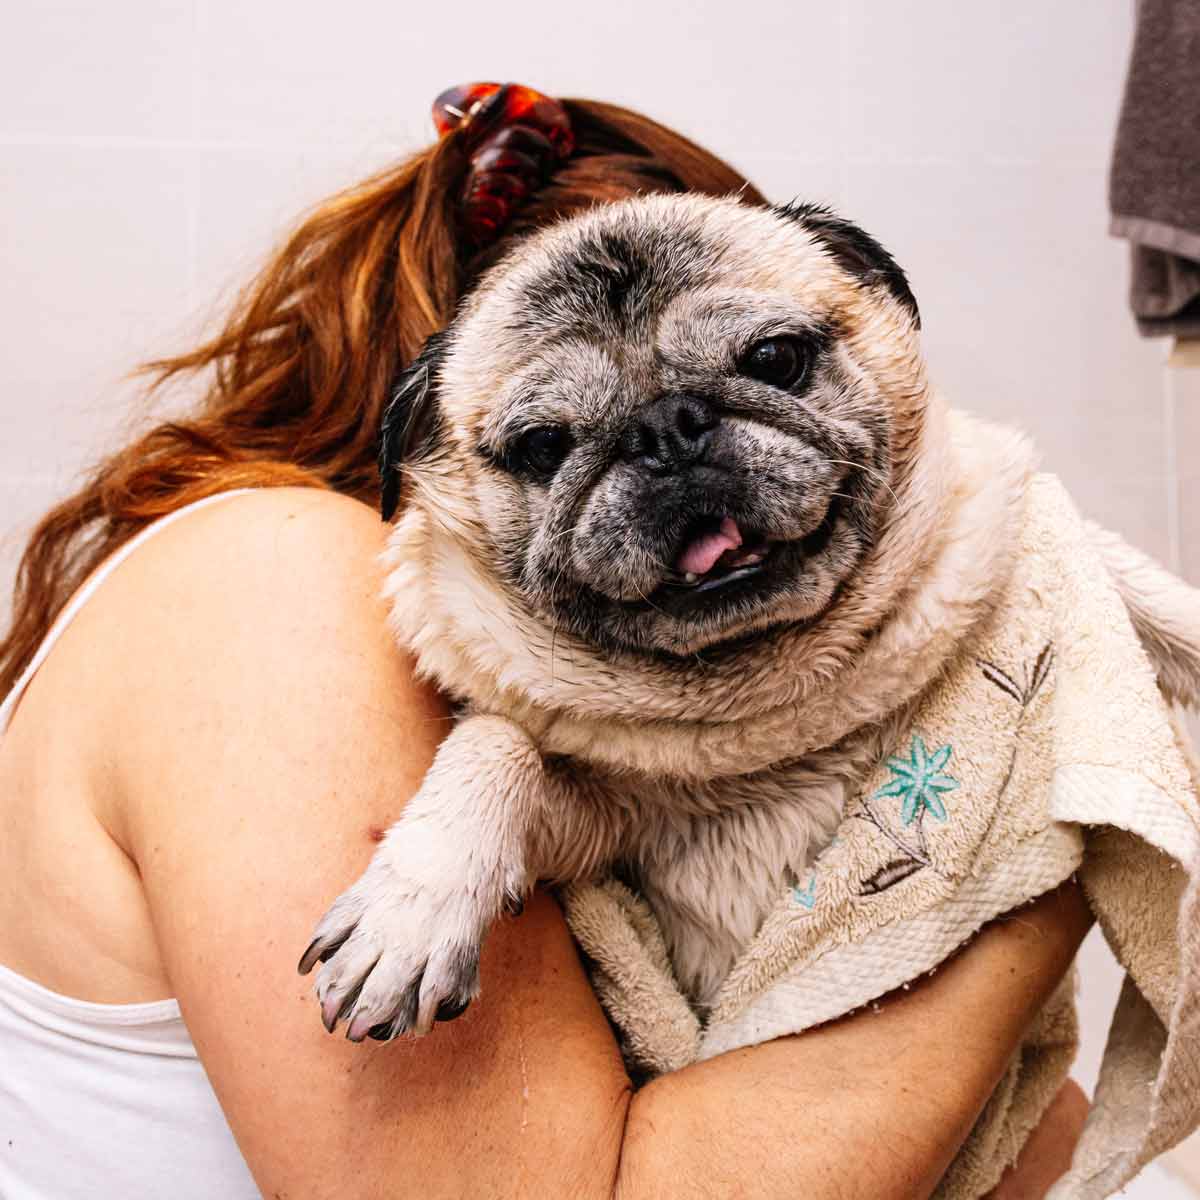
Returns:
(106,1100)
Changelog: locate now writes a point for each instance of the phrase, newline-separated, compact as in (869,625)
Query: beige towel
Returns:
(1044,748)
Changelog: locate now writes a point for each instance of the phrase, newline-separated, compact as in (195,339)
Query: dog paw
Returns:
(398,955)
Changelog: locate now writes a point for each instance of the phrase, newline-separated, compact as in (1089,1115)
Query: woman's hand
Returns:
(1047,1155)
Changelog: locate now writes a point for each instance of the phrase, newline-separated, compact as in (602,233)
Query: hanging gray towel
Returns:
(1154,190)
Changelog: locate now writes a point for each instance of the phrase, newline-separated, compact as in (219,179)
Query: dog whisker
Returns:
(870,472)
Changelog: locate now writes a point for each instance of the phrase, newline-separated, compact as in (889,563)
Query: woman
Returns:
(203,749)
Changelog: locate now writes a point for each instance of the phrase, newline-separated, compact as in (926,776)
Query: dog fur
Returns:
(703,751)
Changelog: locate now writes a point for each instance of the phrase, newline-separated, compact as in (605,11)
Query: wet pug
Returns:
(684,528)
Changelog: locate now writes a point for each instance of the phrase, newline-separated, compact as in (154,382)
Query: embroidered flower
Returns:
(806,896)
(919,781)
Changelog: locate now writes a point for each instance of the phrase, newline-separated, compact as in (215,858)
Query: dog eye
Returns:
(780,361)
(543,449)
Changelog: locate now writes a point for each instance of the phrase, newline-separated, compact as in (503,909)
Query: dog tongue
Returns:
(700,556)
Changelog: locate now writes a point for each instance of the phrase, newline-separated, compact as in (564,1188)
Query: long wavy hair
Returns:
(301,370)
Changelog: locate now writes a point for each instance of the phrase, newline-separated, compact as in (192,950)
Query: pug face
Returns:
(669,423)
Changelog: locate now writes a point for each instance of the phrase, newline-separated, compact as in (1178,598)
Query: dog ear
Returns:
(410,419)
(855,250)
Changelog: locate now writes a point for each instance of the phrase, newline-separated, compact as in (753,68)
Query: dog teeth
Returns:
(732,562)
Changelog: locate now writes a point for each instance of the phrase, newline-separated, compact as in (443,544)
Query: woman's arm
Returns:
(876,1104)
(267,729)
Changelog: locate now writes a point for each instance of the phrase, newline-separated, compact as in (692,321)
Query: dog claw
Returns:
(321,949)
(337,1007)
(360,1027)
(451,1010)
(329,1015)
(310,957)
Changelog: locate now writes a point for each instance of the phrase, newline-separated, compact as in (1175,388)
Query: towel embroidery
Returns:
(806,896)
(920,782)
(1023,695)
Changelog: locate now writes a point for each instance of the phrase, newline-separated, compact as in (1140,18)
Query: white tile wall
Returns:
(73,70)
(95,261)
(151,151)
(1025,84)
(1183,407)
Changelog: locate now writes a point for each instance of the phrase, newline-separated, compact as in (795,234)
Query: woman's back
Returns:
(102,1085)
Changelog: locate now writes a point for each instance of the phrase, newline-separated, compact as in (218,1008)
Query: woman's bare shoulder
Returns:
(245,554)
(261,616)
(253,572)
(267,553)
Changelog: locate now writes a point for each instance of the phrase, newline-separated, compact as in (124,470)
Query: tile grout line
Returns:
(191,218)
(1171,454)
(843,159)
(104,141)
(9,479)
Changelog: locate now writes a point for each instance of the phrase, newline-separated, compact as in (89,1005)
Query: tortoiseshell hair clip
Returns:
(515,136)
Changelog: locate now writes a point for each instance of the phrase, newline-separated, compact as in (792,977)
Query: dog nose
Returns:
(669,434)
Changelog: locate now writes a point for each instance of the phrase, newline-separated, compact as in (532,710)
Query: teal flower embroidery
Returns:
(919,781)
(808,896)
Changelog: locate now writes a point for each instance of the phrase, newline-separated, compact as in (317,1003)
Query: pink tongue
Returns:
(700,556)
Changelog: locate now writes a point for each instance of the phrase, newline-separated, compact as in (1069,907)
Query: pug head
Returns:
(669,423)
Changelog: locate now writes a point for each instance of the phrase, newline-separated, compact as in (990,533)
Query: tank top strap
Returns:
(88,589)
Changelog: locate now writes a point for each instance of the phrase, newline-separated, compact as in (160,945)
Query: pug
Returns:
(685,531)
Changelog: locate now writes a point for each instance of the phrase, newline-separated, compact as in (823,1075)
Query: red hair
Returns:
(302,369)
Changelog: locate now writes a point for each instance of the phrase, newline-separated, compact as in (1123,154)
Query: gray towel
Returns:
(1154,190)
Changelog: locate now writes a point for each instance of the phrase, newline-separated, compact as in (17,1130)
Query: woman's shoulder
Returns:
(253,571)
(259,729)
(252,538)
(235,669)
(253,627)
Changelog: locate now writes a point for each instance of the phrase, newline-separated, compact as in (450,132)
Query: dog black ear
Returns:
(410,419)
(855,250)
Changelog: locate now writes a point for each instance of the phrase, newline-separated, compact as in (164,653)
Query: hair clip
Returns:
(515,136)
